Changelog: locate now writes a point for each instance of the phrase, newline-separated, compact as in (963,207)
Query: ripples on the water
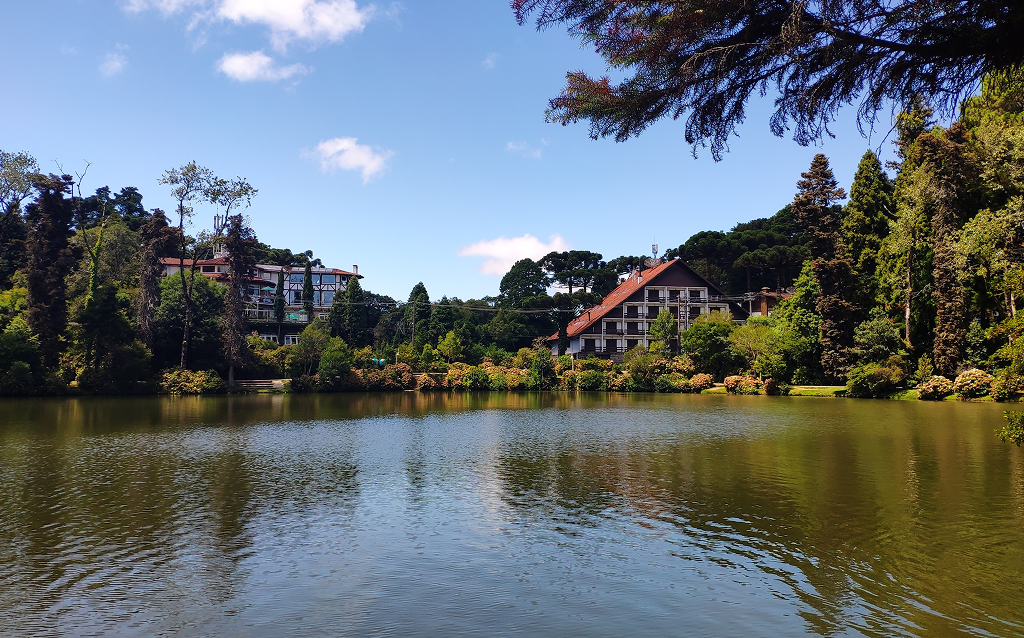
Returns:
(498,515)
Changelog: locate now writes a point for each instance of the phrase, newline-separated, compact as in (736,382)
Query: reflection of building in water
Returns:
(623,319)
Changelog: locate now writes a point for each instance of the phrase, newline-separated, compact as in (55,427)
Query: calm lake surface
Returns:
(530,515)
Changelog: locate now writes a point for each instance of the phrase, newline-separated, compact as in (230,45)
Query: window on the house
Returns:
(296,277)
(328,297)
(291,340)
(269,338)
(327,280)
(695,294)
(208,269)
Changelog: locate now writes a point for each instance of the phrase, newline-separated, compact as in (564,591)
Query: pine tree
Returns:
(417,316)
(156,237)
(307,291)
(356,328)
(50,259)
(815,207)
(279,303)
(866,224)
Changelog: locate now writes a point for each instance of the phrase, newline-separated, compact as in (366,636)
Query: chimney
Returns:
(355,268)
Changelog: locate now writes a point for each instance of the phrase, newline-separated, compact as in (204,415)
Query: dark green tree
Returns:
(206,346)
(524,280)
(357,329)
(866,223)
(702,60)
(815,207)
(15,187)
(240,243)
(279,304)
(307,291)
(417,316)
(50,259)
(156,239)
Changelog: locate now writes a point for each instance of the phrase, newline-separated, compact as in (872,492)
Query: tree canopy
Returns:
(704,59)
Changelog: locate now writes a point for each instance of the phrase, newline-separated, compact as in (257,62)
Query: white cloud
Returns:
(524,149)
(311,20)
(503,252)
(112,64)
(256,66)
(490,61)
(346,154)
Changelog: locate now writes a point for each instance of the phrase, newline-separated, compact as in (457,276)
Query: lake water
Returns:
(495,515)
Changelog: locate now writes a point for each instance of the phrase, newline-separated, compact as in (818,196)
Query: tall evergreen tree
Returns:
(279,303)
(156,237)
(417,316)
(15,187)
(866,224)
(356,314)
(307,291)
(240,243)
(50,259)
(815,207)
(524,279)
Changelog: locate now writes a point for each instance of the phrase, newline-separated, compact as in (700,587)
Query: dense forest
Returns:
(913,278)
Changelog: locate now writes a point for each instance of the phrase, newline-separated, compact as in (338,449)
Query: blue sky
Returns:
(406,138)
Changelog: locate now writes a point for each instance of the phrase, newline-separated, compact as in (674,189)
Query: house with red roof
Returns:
(623,318)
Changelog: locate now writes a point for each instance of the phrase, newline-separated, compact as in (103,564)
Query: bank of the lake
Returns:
(542,514)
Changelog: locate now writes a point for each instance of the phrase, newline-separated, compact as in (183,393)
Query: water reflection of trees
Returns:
(149,519)
(883,532)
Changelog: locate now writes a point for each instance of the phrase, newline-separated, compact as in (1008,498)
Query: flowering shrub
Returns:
(673,382)
(681,364)
(742,385)
(593,363)
(426,383)
(701,381)
(619,382)
(934,389)
(972,384)
(1007,386)
(179,381)
(466,377)
(775,387)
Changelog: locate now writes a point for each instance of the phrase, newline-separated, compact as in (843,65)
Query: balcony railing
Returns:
(290,316)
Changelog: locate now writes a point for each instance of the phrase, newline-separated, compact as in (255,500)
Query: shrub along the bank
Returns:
(737,384)
(972,384)
(934,388)
(1013,431)
(877,380)
(178,381)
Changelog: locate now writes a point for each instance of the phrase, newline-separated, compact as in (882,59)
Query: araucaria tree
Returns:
(815,206)
(703,59)
(49,259)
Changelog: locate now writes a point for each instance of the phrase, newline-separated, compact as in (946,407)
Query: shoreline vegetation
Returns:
(908,287)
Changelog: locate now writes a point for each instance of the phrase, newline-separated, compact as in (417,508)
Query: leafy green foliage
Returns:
(178,382)
(707,344)
(876,380)
(1013,431)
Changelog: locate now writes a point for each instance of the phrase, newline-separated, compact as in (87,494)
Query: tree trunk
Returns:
(187,296)
(910,291)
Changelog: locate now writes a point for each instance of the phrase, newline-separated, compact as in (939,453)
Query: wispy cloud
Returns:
(257,67)
(525,149)
(345,154)
(503,252)
(112,64)
(490,61)
(312,21)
